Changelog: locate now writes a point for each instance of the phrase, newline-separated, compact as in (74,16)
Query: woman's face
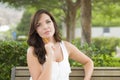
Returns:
(45,27)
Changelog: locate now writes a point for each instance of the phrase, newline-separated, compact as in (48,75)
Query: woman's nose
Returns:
(45,26)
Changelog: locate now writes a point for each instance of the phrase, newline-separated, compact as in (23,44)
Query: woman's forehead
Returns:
(44,17)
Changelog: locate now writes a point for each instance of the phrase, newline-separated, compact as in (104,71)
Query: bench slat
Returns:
(22,78)
(100,73)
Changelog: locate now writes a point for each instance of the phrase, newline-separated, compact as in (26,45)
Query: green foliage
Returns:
(24,25)
(106,14)
(106,61)
(47,4)
(107,45)
(12,53)
(101,51)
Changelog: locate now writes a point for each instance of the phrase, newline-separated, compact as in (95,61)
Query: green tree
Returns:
(23,26)
(106,13)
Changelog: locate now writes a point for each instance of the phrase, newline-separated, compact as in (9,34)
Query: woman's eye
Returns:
(48,21)
(37,25)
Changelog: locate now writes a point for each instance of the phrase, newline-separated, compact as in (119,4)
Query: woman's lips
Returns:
(47,32)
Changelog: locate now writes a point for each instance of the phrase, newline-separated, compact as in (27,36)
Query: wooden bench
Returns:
(100,73)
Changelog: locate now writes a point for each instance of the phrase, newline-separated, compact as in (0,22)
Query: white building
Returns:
(97,32)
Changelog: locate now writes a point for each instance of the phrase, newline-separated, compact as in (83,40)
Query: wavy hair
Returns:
(35,40)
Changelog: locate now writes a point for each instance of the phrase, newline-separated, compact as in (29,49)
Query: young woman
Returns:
(48,55)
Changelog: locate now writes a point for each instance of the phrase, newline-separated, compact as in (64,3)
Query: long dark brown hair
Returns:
(35,40)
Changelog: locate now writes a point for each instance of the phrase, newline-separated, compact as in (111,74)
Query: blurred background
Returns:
(91,25)
(102,17)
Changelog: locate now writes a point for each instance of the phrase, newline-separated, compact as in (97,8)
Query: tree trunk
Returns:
(86,21)
(70,9)
(70,25)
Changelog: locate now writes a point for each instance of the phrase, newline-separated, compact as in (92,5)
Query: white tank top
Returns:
(61,70)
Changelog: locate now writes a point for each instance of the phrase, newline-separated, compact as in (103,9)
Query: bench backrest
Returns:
(100,73)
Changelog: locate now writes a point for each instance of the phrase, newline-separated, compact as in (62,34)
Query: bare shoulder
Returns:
(66,43)
(30,51)
(69,46)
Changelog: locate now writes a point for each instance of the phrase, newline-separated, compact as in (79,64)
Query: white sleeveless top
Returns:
(61,70)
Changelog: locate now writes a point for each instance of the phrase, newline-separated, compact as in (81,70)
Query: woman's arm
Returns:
(36,69)
(77,55)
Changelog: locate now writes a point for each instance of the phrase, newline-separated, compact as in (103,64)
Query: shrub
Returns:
(12,53)
(101,51)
